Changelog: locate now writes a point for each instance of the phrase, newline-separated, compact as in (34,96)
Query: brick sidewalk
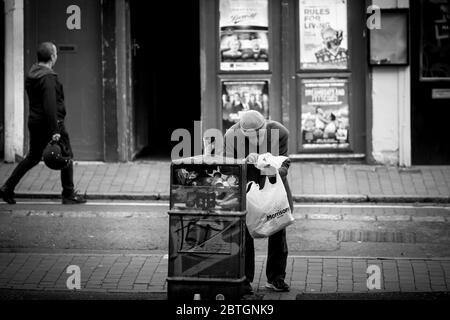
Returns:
(147,274)
(309,182)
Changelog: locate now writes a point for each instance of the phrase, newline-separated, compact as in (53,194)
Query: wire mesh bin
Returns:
(207,228)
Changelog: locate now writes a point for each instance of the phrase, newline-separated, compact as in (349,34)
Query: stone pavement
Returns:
(310,182)
(147,274)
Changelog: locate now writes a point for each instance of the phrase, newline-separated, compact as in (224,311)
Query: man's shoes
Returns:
(278,285)
(74,198)
(7,195)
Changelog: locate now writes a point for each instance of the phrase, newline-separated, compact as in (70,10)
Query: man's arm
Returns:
(49,102)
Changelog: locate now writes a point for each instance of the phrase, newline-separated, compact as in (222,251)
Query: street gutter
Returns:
(310,198)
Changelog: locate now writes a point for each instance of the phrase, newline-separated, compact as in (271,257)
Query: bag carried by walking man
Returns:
(45,123)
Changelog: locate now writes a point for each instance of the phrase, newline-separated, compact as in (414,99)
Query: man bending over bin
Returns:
(251,136)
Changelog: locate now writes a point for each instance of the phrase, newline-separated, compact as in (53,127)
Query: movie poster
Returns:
(325,114)
(244,35)
(323,34)
(240,96)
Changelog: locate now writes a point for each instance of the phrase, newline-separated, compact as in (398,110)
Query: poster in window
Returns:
(323,34)
(325,114)
(435,39)
(241,96)
(244,35)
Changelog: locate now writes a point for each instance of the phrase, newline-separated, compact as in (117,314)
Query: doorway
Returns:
(430,82)
(165,45)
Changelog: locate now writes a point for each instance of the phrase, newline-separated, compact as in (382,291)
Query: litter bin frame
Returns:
(196,268)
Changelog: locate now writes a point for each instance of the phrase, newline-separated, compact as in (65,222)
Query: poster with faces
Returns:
(241,96)
(244,35)
(325,114)
(323,34)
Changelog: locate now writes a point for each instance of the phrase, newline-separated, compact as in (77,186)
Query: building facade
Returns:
(348,81)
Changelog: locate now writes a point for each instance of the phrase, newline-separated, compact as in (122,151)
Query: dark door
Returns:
(78,66)
(430,82)
(166,72)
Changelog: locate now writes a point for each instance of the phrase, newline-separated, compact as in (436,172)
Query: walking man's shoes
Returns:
(278,285)
(74,198)
(7,195)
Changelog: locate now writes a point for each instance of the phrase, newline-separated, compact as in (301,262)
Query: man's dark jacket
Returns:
(253,173)
(46,97)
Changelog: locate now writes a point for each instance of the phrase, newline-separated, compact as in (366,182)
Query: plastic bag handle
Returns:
(248,185)
(278,177)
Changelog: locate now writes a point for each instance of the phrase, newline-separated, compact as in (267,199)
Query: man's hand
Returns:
(56,137)
(269,171)
(252,158)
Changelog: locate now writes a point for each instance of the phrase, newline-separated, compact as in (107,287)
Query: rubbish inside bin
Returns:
(206,188)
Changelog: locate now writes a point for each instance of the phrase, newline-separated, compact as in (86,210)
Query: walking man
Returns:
(45,122)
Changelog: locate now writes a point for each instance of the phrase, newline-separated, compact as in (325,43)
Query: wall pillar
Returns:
(14,79)
(404,117)
(404,114)
(391,100)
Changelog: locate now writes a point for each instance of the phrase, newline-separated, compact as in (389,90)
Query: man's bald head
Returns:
(45,52)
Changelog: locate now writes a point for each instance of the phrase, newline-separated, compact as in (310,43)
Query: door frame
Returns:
(117,87)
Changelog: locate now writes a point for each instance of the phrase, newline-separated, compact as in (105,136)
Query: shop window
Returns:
(435,40)
(389,45)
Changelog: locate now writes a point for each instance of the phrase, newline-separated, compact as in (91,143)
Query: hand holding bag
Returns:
(269,164)
(268,209)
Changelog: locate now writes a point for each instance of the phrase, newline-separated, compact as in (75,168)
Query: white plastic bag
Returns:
(268,209)
(268,159)
(269,164)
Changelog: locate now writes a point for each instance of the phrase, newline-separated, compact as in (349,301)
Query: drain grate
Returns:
(375,236)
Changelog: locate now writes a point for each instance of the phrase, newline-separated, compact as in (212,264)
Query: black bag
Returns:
(56,156)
